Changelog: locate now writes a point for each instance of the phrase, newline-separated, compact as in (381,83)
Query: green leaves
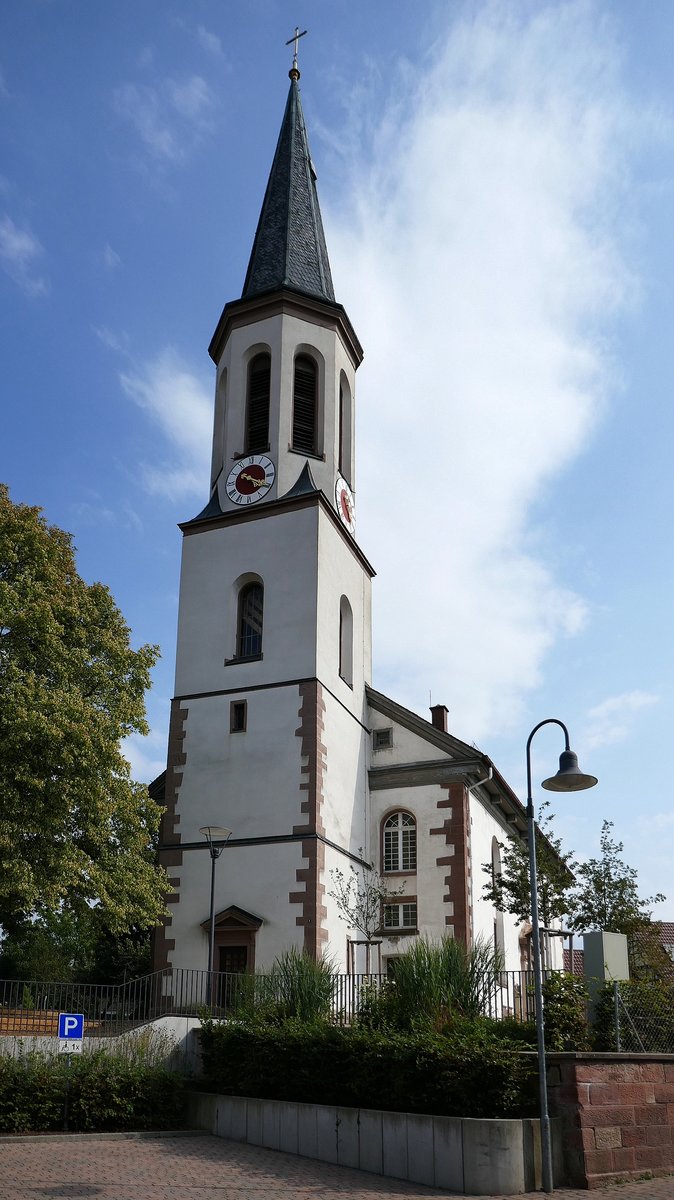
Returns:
(607,896)
(510,891)
(73,825)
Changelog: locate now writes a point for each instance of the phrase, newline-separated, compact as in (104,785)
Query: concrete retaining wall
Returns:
(474,1157)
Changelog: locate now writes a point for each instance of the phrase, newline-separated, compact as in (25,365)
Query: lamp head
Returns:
(569,777)
(215,833)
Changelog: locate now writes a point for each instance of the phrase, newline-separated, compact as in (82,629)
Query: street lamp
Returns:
(216,837)
(569,778)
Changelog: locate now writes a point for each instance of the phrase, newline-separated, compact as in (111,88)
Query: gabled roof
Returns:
(289,250)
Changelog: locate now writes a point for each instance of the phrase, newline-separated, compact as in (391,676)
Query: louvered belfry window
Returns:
(305,397)
(251,604)
(257,413)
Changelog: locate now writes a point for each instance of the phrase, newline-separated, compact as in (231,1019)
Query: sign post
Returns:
(71,1035)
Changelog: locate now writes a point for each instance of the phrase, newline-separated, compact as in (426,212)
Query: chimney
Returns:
(439,716)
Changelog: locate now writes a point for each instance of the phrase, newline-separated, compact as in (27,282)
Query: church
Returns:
(276,732)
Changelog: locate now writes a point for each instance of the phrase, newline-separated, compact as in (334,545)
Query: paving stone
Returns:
(202,1167)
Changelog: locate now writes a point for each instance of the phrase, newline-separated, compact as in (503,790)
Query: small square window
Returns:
(382,739)
(238,716)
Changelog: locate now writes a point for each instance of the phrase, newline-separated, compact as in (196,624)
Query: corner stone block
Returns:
(493,1157)
(371,1141)
(348,1151)
(271,1120)
(307,1144)
(326,1133)
(254,1122)
(448,1153)
(420,1149)
(288,1122)
(394,1141)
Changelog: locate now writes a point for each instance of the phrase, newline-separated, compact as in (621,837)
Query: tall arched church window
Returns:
(344,432)
(496,871)
(346,641)
(400,842)
(305,405)
(249,624)
(257,406)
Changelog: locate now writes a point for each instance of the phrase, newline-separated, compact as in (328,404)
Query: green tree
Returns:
(510,892)
(607,892)
(75,829)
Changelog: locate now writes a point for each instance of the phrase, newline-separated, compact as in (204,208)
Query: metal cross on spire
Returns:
(294,70)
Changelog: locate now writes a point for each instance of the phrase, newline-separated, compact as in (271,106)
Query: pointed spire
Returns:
(289,248)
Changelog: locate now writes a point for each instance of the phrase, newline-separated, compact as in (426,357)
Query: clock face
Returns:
(345,505)
(250,479)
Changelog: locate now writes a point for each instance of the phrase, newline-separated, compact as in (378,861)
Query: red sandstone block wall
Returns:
(617,1114)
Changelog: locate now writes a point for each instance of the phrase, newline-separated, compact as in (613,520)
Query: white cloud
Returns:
(119,342)
(611,721)
(183,409)
(111,258)
(477,252)
(210,41)
(169,117)
(20,253)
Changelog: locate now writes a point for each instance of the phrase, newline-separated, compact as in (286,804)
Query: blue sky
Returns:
(496,184)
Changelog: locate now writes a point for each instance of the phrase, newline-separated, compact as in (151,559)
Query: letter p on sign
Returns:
(71,1032)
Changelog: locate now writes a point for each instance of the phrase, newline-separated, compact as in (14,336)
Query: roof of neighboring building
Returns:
(289,250)
(578,962)
(666,932)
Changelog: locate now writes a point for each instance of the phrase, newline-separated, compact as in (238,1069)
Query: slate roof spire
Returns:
(289,250)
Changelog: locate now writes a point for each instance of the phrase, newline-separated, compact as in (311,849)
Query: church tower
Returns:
(268,734)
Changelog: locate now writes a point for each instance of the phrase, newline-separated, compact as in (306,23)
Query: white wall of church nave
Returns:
(341,574)
(407,746)
(428,883)
(484,826)
(257,879)
(248,782)
(345,778)
(336,925)
(282,552)
(283,335)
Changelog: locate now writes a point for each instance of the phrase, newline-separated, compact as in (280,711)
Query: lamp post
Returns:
(216,837)
(569,778)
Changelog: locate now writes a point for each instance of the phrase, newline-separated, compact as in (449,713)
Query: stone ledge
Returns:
(461,1155)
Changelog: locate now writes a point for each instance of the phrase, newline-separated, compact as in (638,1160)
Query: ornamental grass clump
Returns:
(297,987)
(435,982)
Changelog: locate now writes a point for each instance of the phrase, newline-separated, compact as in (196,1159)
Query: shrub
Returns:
(565,1002)
(106,1092)
(469,1073)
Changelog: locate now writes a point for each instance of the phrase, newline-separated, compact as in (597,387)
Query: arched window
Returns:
(257,407)
(496,871)
(400,842)
(249,624)
(344,433)
(346,641)
(305,405)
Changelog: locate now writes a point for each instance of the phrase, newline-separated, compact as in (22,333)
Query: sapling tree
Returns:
(510,891)
(360,896)
(606,895)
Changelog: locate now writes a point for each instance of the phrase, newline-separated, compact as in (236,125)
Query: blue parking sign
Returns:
(71,1026)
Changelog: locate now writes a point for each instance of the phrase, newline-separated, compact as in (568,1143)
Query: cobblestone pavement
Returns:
(200,1167)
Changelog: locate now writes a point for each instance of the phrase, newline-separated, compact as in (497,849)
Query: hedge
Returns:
(106,1093)
(424,1072)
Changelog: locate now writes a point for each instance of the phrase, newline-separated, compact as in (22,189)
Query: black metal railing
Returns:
(31,1008)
